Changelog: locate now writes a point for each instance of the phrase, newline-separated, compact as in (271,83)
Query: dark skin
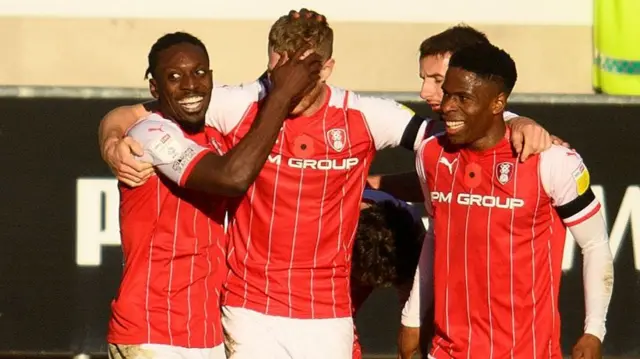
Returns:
(183,71)
(479,104)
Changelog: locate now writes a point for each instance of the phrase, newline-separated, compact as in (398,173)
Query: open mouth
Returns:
(454,126)
(192,104)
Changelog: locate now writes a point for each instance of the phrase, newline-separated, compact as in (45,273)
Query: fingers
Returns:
(559,141)
(301,54)
(517,140)
(134,146)
(133,179)
(307,15)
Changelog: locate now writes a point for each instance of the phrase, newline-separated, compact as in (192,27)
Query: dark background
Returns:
(50,305)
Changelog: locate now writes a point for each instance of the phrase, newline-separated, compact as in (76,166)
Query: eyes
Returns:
(459,98)
(175,75)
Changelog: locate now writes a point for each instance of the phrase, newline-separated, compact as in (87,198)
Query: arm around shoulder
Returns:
(114,124)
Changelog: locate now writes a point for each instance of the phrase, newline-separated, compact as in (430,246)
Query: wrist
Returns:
(280,95)
(595,330)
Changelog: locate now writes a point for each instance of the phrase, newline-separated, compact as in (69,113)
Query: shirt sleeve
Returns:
(230,104)
(167,148)
(508,116)
(392,124)
(566,180)
(421,296)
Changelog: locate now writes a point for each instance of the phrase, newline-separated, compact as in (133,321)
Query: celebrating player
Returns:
(500,225)
(168,304)
(291,234)
(386,249)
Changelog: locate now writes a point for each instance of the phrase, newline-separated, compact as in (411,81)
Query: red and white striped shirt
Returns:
(173,246)
(499,238)
(291,234)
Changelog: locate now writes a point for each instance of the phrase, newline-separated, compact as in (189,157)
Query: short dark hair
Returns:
(166,42)
(387,246)
(451,40)
(488,62)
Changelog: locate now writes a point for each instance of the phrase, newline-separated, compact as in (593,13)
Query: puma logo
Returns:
(159,129)
(449,165)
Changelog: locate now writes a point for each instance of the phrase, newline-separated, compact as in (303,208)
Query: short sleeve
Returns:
(391,123)
(508,116)
(230,104)
(167,148)
(566,179)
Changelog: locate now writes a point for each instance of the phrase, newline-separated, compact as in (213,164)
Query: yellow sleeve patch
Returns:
(581,176)
(405,108)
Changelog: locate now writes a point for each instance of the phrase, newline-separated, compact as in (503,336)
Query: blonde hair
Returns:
(297,29)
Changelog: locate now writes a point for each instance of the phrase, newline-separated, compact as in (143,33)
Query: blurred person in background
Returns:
(386,250)
(168,303)
(291,235)
(500,228)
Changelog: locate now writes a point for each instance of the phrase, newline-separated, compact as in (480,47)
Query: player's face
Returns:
(432,72)
(183,84)
(312,97)
(467,106)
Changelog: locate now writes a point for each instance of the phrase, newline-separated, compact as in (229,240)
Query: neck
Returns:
(317,104)
(187,126)
(492,136)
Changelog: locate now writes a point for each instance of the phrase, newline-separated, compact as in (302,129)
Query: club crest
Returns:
(504,172)
(336,137)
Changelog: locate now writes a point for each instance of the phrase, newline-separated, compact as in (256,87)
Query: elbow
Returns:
(238,188)
(238,185)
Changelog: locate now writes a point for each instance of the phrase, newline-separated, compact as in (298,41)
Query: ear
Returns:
(499,103)
(327,69)
(153,88)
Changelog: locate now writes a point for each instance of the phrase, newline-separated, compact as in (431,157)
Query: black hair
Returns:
(387,245)
(451,40)
(488,62)
(166,42)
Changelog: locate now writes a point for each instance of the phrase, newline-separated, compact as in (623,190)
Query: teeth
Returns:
(191,104)
(454,124)
(190,100)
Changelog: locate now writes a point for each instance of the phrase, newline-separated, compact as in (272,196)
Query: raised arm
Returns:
(230,174)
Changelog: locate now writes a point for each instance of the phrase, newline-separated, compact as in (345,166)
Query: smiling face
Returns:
(182,83)
(470,105)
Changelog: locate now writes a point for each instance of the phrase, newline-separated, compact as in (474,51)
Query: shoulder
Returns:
(433,143)
(250,92)
(369,103)
(558,155)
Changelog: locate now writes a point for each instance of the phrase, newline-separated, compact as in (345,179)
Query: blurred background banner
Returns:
(60,262)
(105,43)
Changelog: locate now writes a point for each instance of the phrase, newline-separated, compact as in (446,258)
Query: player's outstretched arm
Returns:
(404,186)
(566,180)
